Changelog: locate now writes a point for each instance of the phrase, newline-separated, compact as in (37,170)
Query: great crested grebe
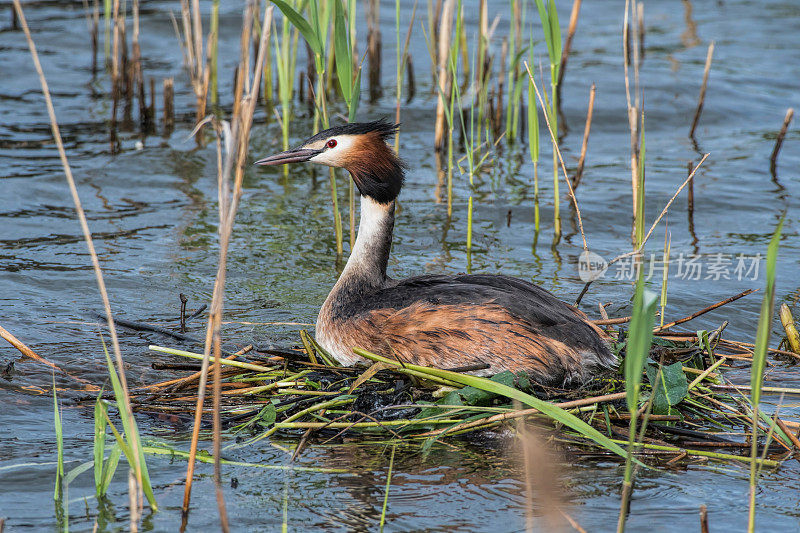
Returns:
(436,320)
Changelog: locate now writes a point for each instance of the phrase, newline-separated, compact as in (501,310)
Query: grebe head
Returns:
(358,147)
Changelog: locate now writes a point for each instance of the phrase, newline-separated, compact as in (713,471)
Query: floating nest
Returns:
(688,410)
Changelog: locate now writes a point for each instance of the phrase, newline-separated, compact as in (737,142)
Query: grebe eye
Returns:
(331,143)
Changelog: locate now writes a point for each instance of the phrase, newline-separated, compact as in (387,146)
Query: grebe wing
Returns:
(522,299)
(505,322)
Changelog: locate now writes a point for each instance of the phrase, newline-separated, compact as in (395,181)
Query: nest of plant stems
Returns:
(688,410)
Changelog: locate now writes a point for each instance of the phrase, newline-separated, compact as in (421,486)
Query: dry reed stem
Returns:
(702,97)
(779,141)
(373,8)
(611,321)
(126,404)
(661,215)
(24,350)
(560,158)
(229,202)
(573,23)
(586,130)
(27,352)
(443,79)
(169,106)
(404,60)
(703,519)
(639,249)
(789,433)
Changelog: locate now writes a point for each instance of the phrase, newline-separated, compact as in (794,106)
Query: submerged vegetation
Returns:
(668,403)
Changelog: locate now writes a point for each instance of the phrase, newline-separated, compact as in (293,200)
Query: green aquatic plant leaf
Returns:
(59,445)
(765,319)
(99,447)
(109,468)
(297,20)
(267,416)
(670,386)
(555,34)
(343,53)
(759,363)
(640,336)
(131,433)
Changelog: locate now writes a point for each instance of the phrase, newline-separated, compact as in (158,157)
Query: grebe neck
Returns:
(369,258)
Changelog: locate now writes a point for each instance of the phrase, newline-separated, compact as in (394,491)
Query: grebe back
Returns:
(436,320)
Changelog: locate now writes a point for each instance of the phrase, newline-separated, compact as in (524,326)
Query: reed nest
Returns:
(689,410)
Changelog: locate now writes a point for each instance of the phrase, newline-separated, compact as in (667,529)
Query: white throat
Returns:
(371,250)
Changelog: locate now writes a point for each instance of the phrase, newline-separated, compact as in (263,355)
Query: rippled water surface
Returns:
(153,215)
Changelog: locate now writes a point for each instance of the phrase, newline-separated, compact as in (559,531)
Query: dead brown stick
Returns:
(182,382)
(27,352)
(703,519)
(789,433)
(576,180)
(24,350)
(701,99)
(611,321)
(443,79)
(779,141)
(573,24)
(706,310)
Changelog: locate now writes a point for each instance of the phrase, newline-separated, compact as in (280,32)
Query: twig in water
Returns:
(779,141)
(706,310)
(573,23)
(579,172)
(701,99)
(183,299)
(703,519)
(141,326)
(27,352)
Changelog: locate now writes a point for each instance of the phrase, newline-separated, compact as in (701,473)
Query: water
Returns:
(153,215)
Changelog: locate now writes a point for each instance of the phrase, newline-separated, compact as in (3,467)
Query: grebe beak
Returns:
(289,156)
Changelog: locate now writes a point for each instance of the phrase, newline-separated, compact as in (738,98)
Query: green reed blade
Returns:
(131,433)
(58,493)
(759,363)
(310,35)
(640,338)
(343,52)
(99,446)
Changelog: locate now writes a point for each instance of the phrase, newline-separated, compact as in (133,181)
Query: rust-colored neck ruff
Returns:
(376,170)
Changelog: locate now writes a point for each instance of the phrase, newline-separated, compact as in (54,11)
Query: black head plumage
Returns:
(382,127)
